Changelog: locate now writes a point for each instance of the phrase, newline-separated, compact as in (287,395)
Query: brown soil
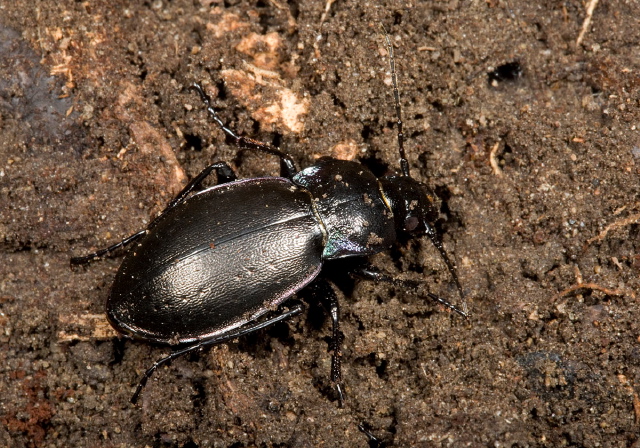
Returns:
(537,172)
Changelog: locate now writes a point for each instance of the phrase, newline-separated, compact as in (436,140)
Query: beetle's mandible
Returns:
(217,262)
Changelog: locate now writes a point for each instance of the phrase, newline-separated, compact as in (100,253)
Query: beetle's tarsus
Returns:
(374,442)
(340,395)
(102,252)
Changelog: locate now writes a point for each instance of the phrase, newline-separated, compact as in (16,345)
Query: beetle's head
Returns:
(415,208)
(414,205)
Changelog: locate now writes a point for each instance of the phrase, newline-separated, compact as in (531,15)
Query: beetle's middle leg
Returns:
(325,293)
(242,331)
(287,165)
(224,174)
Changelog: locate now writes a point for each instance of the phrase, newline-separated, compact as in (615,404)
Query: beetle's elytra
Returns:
(216,263)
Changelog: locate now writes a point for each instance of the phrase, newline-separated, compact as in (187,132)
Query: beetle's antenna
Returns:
(404,164)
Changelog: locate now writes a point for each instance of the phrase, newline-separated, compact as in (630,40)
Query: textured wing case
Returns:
(220,259)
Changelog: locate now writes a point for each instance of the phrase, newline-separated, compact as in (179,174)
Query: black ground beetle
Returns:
(219,263)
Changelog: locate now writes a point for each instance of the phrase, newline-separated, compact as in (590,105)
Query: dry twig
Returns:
(591,286)
(636,400)
(327,7)
(587,21)
(615,225)
(494,161)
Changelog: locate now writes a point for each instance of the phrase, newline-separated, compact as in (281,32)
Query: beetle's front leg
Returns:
(372,273)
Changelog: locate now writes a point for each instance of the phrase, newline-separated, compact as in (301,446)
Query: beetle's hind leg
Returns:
(102,252)
(224,174)
(372,273)
(293,311)
(287,166)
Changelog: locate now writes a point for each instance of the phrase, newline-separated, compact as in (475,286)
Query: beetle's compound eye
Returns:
(411,223)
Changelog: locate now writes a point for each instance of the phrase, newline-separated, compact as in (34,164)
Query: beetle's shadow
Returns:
(258,343)
(449,219)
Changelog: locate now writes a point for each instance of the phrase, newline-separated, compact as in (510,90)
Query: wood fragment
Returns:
(91,327)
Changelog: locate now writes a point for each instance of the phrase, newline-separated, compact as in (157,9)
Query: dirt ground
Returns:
(530,140)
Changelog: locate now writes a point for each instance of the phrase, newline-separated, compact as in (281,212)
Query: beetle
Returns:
(221,262)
